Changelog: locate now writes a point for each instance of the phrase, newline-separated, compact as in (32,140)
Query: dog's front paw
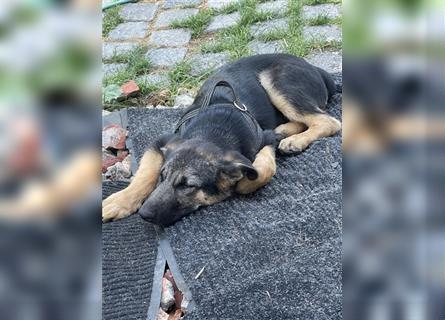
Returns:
(118,206)
(292,145)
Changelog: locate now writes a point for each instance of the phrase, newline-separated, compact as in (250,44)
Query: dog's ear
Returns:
(235,167)
(168,143)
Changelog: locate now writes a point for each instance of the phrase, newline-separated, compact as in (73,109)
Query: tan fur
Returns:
(319,124)
(207,200)
(266,167)
(290,128)
(123,203)
(71,184)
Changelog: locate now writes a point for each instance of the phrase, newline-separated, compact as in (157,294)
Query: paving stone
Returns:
(277,7)
(218,4)
(166,57)
(259,47)
(262,28)
(129,30)
(154,79)
(223,21)
(329,61)
(323,33)
(174,37)
(180,3)
(167,17)
(209,61)
(112,68)
(138,11)
(329,10)
(109,50)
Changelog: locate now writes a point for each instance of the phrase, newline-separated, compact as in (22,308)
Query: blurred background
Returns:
(50,124)
(394,158)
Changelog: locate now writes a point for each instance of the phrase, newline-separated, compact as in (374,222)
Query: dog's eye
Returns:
(185,183)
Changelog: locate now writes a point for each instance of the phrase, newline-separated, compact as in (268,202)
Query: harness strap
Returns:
(253,123)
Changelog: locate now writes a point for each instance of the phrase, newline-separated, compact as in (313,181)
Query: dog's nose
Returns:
(147,215)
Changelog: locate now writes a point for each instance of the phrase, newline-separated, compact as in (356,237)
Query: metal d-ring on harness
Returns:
(253,123)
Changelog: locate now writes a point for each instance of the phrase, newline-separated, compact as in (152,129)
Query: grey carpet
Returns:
(129,249)
(275,254)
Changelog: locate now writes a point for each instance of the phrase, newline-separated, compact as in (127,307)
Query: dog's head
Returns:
(195,173)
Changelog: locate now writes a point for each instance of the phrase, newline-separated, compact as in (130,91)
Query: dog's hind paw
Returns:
(118,206)
(290,146)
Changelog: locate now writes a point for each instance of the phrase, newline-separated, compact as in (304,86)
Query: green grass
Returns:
(318,21)
(111,20)
(196,23)
(292,38)
(235,40)
(323,20)
(230,8)
(323,45)
(315,2)
(137,65)
(180,77)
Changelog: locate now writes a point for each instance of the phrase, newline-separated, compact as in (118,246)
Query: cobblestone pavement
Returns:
(148,22)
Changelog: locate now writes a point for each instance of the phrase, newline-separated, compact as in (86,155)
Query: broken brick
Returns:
(109,159)
(114,136)
(130,89)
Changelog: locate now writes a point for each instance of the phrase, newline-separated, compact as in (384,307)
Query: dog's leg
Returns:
(319,126)
(289,129)
(266,167)
(123,203)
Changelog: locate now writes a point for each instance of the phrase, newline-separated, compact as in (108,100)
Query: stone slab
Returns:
(166,57)
(129,30)
(260,47)
(202,63)
(138,11)
(218,4)
(109,50)
(323,33)
(329,61)
(263,28)
(155,79)
(112,68)
(180,3)
(275,7)
(169,38)
(223,21)
(328,10)
(167,17)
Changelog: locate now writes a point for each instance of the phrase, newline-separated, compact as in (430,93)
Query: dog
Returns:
(225,142)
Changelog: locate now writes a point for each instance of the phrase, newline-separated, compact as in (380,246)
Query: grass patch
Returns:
(196,23)
(323,20)
(315,2)
(111,20)
(227,9)
(234,40)
(323,45)
(180,77)
(137,65)
(318,21)
(292,37)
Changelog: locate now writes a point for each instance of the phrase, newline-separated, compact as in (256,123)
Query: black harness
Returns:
(250,119)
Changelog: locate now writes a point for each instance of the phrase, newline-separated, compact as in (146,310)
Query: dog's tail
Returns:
(332,87)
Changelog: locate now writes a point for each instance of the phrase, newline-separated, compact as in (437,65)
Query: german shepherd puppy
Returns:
(225,142)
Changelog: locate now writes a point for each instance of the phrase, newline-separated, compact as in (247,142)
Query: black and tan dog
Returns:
(225,142)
